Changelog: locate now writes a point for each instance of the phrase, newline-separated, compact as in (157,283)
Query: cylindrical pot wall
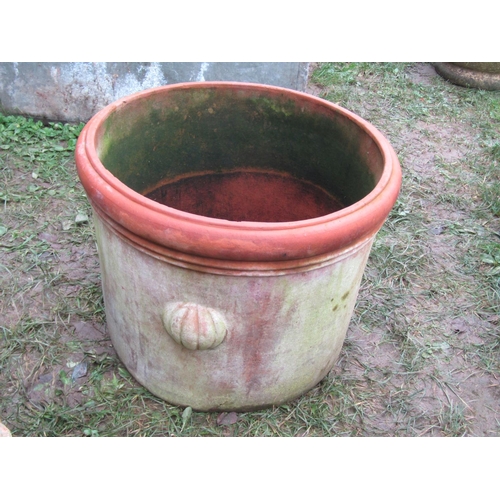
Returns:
(233,222)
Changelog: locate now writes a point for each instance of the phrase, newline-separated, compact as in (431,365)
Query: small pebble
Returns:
(436,230)
(4,432)
(79,371)
(80,218)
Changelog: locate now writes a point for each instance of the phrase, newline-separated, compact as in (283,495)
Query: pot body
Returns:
(222,290)
(480,75)
(283,331)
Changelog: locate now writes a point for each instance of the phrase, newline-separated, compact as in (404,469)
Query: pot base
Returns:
(247,195)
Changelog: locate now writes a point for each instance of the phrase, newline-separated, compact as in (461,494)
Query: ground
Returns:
(421,356)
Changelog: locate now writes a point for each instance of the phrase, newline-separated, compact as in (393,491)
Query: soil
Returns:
(453,382)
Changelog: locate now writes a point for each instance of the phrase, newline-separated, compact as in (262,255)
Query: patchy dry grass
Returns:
(428,308)
(422,353)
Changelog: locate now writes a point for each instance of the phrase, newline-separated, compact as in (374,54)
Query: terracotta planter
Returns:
(233,222)
(480,75)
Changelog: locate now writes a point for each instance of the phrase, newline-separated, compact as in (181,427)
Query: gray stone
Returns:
(75,91)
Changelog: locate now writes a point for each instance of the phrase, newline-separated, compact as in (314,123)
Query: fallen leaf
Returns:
(227,418)
(88,331)
(186,415)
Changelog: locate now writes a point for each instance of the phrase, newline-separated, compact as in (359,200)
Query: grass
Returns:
(422,353)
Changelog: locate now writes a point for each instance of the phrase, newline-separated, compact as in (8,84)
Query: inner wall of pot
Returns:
(239,153)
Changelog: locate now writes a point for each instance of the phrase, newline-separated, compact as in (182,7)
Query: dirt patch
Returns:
(423,74)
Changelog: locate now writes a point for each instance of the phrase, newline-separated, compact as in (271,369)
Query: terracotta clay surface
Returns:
(229,240)
(234,222)
(247,196)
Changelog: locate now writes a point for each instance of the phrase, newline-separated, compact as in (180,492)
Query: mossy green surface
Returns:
(148,143)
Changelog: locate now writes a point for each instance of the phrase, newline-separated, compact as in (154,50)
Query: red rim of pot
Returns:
(229,240)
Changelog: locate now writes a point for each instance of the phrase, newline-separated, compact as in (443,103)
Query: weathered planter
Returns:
(480,75)
(233,223)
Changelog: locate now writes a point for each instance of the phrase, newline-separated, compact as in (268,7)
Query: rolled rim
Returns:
(231,240)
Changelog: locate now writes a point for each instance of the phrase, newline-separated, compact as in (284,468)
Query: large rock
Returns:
(76,91)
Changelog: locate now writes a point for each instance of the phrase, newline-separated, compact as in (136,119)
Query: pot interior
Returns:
(239,152)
